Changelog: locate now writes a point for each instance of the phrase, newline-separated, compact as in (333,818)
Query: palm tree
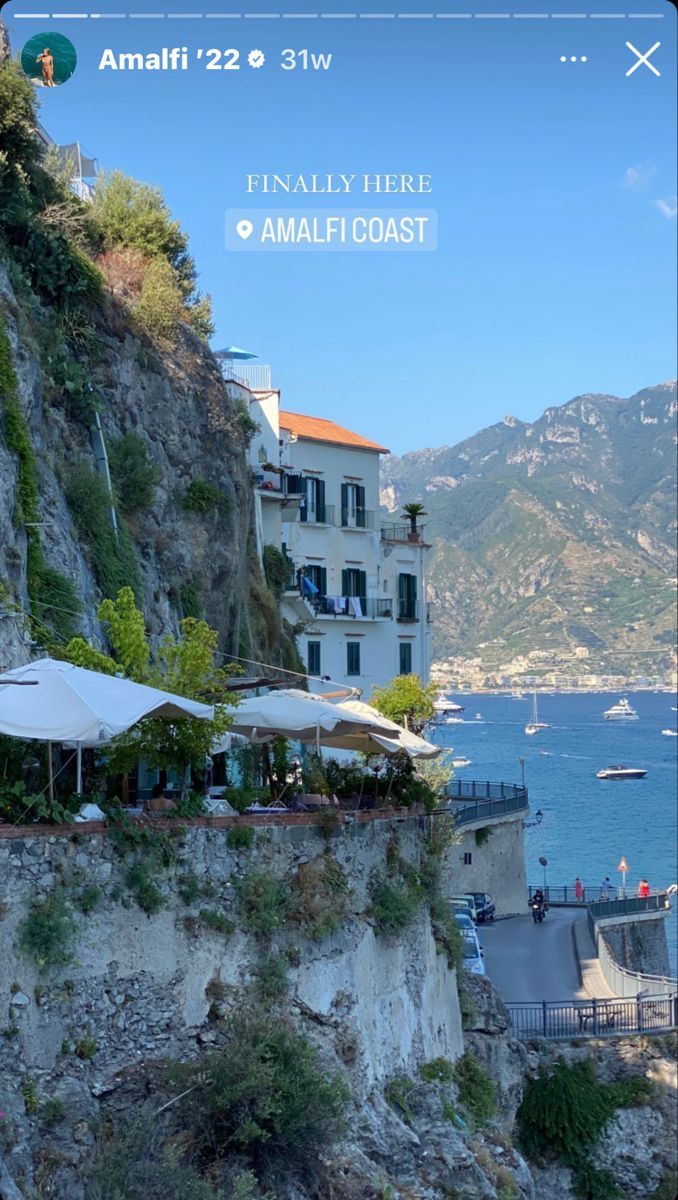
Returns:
(412,512)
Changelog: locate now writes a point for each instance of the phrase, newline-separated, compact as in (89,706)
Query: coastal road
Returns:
(528,962)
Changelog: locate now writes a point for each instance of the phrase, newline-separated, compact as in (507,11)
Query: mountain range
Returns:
(553,534)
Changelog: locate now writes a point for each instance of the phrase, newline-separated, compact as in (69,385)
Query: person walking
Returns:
(643,889)
(606,888)
(578,889)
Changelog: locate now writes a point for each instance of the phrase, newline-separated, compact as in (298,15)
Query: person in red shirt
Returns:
(643,888)
(578,888)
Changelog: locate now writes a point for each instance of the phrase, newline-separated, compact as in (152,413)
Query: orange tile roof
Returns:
(318,429)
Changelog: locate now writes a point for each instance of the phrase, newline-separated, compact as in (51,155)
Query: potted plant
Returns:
(412,512)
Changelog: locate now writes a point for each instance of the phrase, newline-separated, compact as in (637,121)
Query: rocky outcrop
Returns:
(175,401)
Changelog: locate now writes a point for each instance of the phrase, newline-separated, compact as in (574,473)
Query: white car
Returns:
(464,923)
(473,955)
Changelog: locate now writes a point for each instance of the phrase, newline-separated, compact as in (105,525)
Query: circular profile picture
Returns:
(48,59)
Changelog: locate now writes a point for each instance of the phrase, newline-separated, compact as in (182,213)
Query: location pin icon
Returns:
(244,229)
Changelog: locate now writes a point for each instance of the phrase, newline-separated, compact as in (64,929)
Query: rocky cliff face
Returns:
(563,527)
(87,1040)
(174,400)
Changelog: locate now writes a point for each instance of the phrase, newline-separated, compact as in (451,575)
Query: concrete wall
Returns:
(638,945)
(497,866)
(140,985)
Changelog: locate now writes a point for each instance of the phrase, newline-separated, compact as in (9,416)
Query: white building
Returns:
(357,587)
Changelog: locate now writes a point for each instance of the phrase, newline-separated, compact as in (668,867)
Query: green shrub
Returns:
(136,1159)
(134,474)
(244,421)
(241,837)
(159,308)
(398,1093)
(144,888)
(57,270)
(395,902)
(218,922)
(329,822)
(445,931)
(564,1113)
(88,899)
(68,386)
(191,888)
(319,896)
(439,1070)
(113,558)
(265,1096)
(276,570)
(86,1047)
(31,1096)
(190,601)
(52,1111)
(48,932)
(202,497)
(271,972)
(483,835)
(263,902)
(476,1090)
(133,214)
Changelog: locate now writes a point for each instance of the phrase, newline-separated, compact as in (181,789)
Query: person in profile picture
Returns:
(47,62)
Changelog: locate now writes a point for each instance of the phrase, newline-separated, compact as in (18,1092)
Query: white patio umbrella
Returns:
(391,739)
(303,716)
(72,704)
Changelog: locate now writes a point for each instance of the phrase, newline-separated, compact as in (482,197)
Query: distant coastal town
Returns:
(572,671)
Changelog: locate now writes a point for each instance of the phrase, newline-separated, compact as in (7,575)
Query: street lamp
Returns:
(538,818)
(521,760)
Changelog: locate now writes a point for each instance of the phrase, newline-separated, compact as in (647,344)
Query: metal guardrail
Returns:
(473,800)
(593,1018)
(593,896)
(629,905)
(621,980)
(398,532)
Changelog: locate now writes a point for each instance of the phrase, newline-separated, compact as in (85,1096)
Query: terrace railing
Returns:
(594,1018)
(480,800)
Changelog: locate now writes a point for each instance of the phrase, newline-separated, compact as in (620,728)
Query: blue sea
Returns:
(588,824)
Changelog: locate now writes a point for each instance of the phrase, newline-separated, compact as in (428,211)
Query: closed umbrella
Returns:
(73,704)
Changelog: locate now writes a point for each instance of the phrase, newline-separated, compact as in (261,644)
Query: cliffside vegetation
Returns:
(103,317)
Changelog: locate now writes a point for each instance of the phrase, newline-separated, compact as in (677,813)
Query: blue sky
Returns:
(555,186)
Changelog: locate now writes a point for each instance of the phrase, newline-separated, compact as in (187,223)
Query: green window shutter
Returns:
(322,580)
(346,582)
(303,488)
(344,503)
(320,500)
(362,584)
(360,504)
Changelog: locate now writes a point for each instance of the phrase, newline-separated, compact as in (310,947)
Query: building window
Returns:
(407,597)
(353,514)
(468,858)
(313,658)
(405,652)
(353,658)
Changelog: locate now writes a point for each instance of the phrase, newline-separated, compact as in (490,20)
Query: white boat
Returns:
(443,705)
(479,717)
(669,732)
(621,711)
(461,762)
(535,725)
(453,721)
(621,773)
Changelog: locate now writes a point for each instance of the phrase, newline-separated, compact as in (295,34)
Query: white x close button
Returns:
(643,59)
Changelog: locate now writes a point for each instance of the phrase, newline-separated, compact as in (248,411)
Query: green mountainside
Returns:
(555,534)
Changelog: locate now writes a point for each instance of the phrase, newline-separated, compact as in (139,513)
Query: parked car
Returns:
(484,906)
(465,901)
(473,955)
(464,922)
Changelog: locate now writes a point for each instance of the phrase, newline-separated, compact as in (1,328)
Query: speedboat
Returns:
(621,773)
(621,711)
(535,725)
(461,762)
(453,721)
(669,732)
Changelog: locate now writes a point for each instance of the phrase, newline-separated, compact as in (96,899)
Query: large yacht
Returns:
(443,705)
(621,711)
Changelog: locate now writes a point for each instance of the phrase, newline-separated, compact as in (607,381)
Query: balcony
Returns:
(323,514)
(400,532)
(408,611)
(347,608)
(357,518)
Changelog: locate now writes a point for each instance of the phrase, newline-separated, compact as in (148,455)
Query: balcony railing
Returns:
(357,608)
(408,610)
(399,532)
(478,800)
(357,518)
(322,514)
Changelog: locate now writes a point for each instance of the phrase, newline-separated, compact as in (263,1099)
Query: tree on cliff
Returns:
(407,701)
(183,665)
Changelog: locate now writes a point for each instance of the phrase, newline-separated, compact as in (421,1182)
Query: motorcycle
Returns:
(539,910)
